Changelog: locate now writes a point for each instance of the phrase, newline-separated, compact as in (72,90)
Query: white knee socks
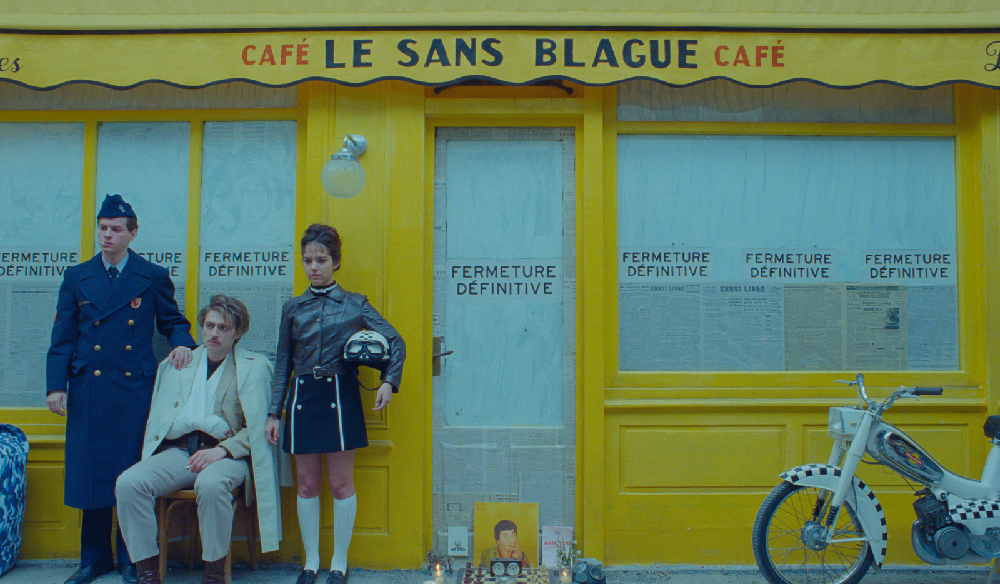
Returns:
(309,526)
(344,512)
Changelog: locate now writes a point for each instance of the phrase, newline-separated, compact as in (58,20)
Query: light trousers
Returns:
(163,473)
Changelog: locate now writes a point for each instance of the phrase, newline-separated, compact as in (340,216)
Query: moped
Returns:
(824,525)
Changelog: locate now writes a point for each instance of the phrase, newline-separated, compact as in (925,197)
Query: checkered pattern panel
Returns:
(981,509)
(810,470)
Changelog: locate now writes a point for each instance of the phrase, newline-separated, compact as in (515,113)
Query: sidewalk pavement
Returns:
(56,571)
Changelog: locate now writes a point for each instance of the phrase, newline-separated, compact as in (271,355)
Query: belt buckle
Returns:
(316,373)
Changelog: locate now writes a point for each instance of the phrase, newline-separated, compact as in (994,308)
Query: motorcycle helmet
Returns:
(368,348)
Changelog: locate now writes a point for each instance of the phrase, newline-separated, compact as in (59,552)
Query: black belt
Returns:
(318,372)
(192,442)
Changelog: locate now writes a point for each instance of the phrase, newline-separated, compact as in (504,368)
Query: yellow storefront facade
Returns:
(652,236)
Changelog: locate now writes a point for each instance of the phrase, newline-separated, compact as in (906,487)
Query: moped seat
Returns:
(992,427)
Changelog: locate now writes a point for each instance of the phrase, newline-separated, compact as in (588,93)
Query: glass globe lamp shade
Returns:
(343,176)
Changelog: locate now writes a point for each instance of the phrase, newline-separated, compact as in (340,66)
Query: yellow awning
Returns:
(314,14)
(192,43)
(440,57)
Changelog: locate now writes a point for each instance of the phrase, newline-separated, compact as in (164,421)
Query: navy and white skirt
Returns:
(324,415)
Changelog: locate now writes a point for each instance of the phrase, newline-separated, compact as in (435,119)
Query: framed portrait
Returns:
(507,531)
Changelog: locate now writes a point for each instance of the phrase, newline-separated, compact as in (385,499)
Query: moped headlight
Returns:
(835,422)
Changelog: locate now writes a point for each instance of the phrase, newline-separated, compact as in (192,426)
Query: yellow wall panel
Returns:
(817,443)
(50,529)
(46,480)
(684,528)
(671,457)
(373,516)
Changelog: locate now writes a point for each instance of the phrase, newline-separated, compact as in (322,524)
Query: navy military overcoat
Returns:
(102,351)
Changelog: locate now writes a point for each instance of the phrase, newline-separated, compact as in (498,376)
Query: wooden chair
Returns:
(185,500)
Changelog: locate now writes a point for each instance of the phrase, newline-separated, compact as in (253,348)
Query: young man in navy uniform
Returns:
(102,353)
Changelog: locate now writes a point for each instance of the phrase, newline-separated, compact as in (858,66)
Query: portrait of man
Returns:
(507,531)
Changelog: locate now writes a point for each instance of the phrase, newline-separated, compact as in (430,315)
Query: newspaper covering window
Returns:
(785,253)
(247,221)
(41,176)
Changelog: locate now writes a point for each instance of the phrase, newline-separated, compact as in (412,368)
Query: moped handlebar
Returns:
(903,391)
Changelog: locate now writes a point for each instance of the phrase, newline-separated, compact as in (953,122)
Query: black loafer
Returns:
(88,574)
(336,577)
(129,574)
(306,577)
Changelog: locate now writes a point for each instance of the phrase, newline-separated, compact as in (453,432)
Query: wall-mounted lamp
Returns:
(342,175)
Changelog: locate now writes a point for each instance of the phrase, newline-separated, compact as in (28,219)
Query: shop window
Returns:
(787,253)
(41,176)
(801,101)
(247,202)
(147,163)
(247,221)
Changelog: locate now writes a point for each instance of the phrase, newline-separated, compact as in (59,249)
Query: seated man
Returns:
(205,424)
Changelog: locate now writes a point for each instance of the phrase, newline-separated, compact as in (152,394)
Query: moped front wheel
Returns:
(789,543)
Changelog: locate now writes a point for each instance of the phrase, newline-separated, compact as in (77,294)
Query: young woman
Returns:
(323,411)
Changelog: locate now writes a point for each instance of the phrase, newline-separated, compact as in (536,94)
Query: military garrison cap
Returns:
(114,206)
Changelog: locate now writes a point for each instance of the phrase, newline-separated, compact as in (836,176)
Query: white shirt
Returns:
(198,412)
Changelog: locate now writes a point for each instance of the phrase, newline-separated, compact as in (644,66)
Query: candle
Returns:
(438,574)
(564,574)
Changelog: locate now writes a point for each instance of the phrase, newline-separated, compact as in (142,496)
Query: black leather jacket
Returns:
(314,329)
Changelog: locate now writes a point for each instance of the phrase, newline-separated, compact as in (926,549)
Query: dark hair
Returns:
(234,311)
(323,235)
(503,525)
(131,223)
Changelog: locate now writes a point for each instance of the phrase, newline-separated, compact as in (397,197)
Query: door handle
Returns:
(436,356)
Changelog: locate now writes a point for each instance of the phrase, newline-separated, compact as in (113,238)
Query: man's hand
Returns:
(56,401)
(384,396)
(271,429)
(180,357)
(200,460)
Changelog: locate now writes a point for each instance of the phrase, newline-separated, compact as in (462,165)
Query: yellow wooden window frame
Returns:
(790,384)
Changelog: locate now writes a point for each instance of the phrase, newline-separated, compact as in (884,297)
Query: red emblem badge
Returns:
(136,302)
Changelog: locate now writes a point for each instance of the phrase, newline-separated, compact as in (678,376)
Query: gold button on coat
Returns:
(97,373)
(97,322)
(97,347)
(128,374)
(131,322)
(128,347)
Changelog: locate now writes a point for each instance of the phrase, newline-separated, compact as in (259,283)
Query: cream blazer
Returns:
(245,410)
